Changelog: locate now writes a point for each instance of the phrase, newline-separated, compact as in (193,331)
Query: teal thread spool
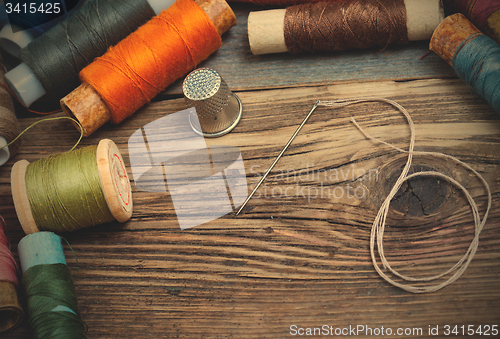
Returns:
(474,56)
(48,285)
(483,54)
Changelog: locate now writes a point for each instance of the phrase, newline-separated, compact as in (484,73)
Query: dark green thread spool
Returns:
(49,288)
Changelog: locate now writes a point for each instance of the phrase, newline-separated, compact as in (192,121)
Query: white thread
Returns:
(377,232)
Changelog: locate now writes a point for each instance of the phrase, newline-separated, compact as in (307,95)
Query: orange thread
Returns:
(161,51)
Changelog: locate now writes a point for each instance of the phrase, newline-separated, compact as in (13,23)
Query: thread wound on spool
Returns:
(9,126)
(8,265)
(10,309)
(477,11)
(281,3)
(57,56)
(477,61)
(133,72)
(49,288)
(73,190)
(338,26)
(474,56)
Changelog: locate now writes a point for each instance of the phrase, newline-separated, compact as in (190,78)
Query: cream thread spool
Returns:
(114,182)
(218,109)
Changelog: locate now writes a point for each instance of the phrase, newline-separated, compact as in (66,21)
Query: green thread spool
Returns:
(72,190)
(49,288)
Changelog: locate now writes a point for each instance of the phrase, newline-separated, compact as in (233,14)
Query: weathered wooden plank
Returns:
(244,71)
(301,259)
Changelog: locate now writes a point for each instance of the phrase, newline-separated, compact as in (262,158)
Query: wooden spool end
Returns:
(266,33)
(450,33)
(219,12)
(114,180)
(86,105)
(11,312)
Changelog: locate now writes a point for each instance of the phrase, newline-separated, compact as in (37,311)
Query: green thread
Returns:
(65,192)
(52,302)
(49,119)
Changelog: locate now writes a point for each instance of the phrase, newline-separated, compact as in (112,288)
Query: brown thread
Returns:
(338,26)
(9,126)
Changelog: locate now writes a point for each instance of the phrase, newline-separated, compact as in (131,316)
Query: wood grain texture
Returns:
(294,259)
(244,71)
(298,258)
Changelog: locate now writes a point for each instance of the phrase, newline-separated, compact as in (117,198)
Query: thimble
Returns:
(218,109)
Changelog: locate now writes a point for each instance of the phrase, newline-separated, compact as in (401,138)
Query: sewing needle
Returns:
(278,158)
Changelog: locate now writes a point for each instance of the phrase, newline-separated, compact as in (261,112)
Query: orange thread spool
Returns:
(161,51)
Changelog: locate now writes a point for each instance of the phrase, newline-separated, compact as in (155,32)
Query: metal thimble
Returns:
(218,109)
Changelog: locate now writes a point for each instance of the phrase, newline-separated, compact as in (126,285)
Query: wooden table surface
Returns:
(298,261)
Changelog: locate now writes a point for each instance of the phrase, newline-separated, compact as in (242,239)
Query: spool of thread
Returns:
(51,62)
(49,288)
(13,37)
(338,26)
(282,3)
(9,126)
(132,73)
(484,14)
(72,190)
(11,312)
(474,56)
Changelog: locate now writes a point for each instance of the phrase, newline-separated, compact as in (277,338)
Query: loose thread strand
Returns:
(378,226)
(50,119)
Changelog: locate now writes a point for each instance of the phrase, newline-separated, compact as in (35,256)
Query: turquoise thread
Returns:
(477,61)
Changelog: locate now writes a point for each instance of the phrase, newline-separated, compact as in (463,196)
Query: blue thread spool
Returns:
(477,61)
(474,56)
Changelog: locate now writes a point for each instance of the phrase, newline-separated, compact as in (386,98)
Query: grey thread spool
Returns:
(218,109)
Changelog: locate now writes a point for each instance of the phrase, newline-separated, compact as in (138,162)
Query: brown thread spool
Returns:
(9,126)
(113,178)
(11,312)
(86,105)
(351,25)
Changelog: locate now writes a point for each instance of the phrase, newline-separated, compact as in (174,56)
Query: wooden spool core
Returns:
(114,180)
(85,103)
(450,34)
(11,313)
